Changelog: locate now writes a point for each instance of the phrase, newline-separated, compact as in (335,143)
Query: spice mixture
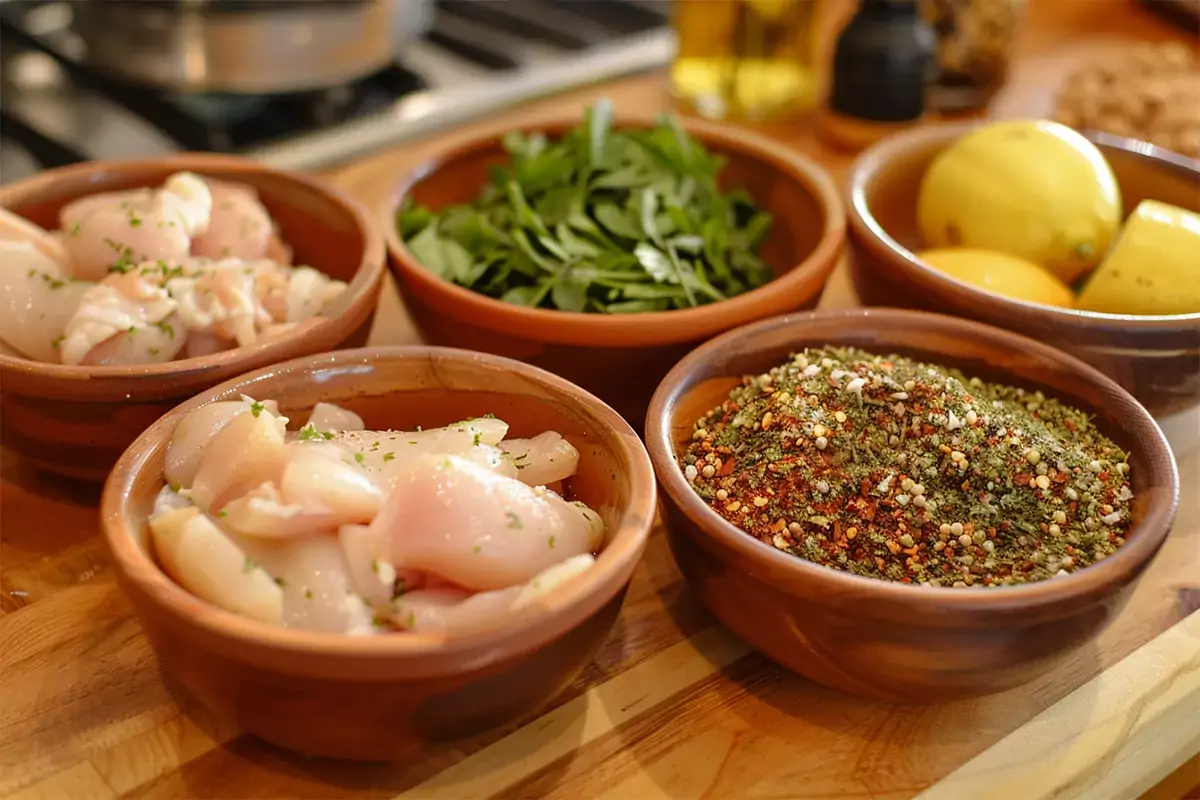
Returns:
(910,472)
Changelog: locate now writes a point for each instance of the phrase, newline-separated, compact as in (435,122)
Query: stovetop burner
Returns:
(72,112)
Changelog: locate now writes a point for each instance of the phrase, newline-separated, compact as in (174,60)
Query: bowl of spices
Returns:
(905,505)
(590,247)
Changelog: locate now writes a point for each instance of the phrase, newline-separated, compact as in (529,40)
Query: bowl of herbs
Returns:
(604,250)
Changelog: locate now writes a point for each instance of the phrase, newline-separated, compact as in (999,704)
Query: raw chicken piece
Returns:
(36,301)
(240,226)
(462,521)
(219,298)
(14,228)
(317,493)
(455,611)
(205,343)
(317,593)
(247,452)
(194,433)
(374,579)
(149,344)
(544,459)
(119,305)
(385,454)
(206,562)
(309,293)
(124,228)
(328,417)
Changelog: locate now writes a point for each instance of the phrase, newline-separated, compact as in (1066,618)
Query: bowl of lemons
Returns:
(1087,241)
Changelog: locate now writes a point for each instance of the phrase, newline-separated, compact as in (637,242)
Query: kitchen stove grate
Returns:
(482,38)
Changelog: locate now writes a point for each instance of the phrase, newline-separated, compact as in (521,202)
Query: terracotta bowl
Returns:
(76,421)
(378,698)
(1155,358)
(886,640)
(620,357)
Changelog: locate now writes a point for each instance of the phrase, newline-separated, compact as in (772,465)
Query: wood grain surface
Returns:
(673,706)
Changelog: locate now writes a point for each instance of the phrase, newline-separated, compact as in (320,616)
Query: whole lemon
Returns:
(1002,274)
(1033,189)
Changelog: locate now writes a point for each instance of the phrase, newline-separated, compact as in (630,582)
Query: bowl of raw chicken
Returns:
(354,554)
(127,287)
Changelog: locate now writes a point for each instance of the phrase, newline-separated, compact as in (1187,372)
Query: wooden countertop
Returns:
(674,706)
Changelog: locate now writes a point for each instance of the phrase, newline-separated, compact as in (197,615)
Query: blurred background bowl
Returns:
(374,698)
(76,420)
(622,357)
(877,638)
(1157,358)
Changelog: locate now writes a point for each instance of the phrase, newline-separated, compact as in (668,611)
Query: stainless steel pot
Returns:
(246,46)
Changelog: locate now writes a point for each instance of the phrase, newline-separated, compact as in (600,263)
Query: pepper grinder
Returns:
(882,67)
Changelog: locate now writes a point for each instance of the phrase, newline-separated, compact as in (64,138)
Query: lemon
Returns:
(1154,268)
(1002,274)
(1033,189)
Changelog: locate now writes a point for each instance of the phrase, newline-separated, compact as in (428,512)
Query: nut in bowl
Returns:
(873,560)
(327,592)
(1107,274)
(129,286)
(589,247)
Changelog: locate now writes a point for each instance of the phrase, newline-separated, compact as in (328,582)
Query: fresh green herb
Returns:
(52,282)
(256,408)
(222,513)
(175,487)
(388,457)
(476,438)
(281,583)
(513,520)
(308,594)
(309,432)
(154,351)
(375,565)
(358,457)
(379,622)
(166,328)
(57,341)
(598,221)
(249,565)
(518,459)
(899,470)
(551,542)
(399,588)
(479,548)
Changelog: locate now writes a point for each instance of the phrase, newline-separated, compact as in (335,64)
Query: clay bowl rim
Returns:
(358,300)
(1145,435)
(653,327)
(864,224)
(622,551)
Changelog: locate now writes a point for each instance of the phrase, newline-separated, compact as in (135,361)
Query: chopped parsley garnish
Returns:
(388,457)
(52,282)
(249,565)
(478,549)
(57,342)
(281,583)
(475,439)
(308,594)
(166,328)
(375,565)
(551,542)
(175,487)
(358,457)
(256,408)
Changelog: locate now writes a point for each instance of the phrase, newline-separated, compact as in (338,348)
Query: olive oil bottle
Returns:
(747,59)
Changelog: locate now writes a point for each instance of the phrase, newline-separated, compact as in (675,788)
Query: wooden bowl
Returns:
(1155,358)
(76,420)
(375,698)
(621,357)
(872,637)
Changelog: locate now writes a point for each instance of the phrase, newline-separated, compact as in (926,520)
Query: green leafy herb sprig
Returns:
(604,221)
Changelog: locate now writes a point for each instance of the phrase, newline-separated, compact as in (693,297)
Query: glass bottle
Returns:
(749,59)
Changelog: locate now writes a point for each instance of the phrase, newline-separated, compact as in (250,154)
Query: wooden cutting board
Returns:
(673,706)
